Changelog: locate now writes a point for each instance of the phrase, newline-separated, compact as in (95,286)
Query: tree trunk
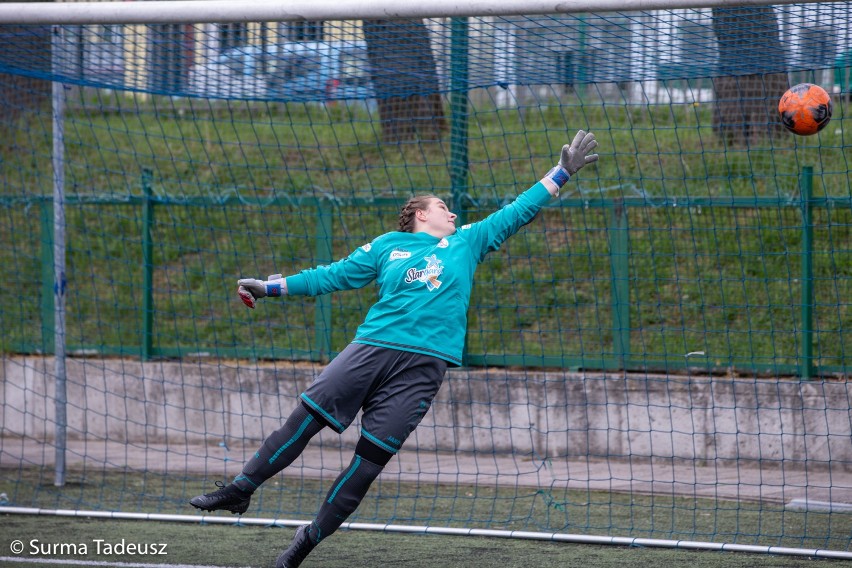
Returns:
(405,79)
(26,49)
(746,102)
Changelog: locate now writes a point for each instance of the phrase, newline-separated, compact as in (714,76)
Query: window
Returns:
(306,31)
(232,35)
(102,51)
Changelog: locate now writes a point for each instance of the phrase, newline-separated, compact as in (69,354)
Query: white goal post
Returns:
(209,11)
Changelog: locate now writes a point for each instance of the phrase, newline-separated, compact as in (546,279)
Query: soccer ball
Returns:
(805,109)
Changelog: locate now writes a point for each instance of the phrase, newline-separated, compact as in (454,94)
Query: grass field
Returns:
(222,148)
(503,508)
(257,547)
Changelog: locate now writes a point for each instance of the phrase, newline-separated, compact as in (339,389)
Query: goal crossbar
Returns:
(208,11)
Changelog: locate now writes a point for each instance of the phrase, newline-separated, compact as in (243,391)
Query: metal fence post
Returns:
(322,307)
(147,266)
(48,317)
(459,161)
(806,186)
(620,271)
(60,401)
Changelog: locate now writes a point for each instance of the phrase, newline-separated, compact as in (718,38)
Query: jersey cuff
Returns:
(297,285)
(538,194)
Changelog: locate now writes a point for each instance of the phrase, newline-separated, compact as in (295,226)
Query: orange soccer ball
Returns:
(805,109)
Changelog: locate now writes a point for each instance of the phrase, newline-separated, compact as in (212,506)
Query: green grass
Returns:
(194,148)
(483,506)
(257,547)
(706,278)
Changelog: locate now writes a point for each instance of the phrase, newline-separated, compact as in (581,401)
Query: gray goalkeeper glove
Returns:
(574,157)
(250,290)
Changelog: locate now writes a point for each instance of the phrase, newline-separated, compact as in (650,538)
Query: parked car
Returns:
(305,71)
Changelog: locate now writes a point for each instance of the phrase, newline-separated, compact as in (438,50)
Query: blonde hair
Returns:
(406,214)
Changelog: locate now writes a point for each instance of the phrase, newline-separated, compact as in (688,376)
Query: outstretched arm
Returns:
(355,271)
(487,235)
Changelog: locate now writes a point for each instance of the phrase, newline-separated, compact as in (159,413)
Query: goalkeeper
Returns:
(395,365)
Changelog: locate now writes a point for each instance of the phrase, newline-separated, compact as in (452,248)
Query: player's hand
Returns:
(577,154)
(250,289)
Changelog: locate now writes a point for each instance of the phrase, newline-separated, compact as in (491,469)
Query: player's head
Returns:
(429,214)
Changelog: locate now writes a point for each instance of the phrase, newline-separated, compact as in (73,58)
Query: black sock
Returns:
(279,449)
(345,495)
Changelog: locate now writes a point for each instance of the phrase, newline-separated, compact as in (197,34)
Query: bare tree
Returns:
(25,53)
(25,49)
(405,77)
(746,101)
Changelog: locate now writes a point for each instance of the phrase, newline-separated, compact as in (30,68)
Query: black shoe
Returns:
(228,497)
(301,546)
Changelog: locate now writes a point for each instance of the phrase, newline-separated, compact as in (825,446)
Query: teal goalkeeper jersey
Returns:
(424,281)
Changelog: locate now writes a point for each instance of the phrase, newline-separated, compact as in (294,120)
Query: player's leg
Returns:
(281,448)
(391,412)
(344,496)
(333,399)
(277,452)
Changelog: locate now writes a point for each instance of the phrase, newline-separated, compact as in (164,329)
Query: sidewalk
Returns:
(771,481)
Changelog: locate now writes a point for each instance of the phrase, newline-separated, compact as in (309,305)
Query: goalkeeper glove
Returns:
(250,289)
(574,156)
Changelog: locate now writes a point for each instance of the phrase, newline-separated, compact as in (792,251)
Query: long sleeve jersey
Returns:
(424,281)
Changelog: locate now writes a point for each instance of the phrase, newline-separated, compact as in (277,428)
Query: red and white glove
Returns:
(250,289)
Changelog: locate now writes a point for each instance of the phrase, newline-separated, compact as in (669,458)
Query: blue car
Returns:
(306,71)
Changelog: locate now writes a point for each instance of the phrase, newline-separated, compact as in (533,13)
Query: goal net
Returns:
(664,353)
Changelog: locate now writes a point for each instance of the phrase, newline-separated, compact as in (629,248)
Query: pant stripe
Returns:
(349,474)
(379,443)
(335,424)
(242,477)
(295,437)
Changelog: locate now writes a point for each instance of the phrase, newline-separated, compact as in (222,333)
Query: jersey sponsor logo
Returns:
(399,254)
(428,275)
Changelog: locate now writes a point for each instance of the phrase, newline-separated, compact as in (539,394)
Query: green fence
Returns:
(618,265)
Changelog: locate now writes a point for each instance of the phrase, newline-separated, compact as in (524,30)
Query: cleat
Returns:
(227,498)
(301,546)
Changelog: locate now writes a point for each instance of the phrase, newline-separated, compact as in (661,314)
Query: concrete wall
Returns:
(546,414)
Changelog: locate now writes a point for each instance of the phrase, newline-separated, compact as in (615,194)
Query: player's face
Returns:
(439,220)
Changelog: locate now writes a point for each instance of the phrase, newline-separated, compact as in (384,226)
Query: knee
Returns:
(317,416)
(372,453)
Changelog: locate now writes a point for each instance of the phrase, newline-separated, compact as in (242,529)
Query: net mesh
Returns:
(664,352)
